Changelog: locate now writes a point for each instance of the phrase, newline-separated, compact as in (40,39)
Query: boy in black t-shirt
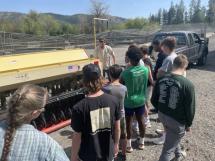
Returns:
(96,121)
(161,57)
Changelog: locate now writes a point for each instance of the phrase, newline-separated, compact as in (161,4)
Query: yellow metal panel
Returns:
(39,59)
(43,74)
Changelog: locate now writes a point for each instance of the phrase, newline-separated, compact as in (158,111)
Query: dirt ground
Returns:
(200,142)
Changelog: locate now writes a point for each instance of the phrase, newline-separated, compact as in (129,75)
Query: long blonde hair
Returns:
(22,103)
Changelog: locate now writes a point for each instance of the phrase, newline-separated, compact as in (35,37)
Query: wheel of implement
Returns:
(62,115)
(69,112)
(53,118)
(43,121)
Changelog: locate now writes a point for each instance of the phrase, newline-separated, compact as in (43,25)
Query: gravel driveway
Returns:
(200,143)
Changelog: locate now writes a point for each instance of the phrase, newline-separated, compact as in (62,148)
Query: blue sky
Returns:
(123,8)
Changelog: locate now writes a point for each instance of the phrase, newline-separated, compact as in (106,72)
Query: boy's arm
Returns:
(150,77)
(190,106)
(76,142)
(155,95)
(77,125)
(163,69)
(116,137)
(117,129)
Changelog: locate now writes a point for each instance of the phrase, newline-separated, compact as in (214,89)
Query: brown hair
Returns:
(22,103)
(180,61)
(169,42)
(93,86)
(144,50)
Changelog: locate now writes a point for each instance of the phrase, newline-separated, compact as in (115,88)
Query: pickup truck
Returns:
(189,44)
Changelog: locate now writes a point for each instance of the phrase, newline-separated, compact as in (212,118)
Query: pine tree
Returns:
(180,12)
(199,13)
(192,9)
(211,11)
(171,14)
(186,17)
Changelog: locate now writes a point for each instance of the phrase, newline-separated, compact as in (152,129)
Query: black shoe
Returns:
(154,110)
(121,157)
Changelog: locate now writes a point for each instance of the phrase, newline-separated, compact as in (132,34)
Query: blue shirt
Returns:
(30,144)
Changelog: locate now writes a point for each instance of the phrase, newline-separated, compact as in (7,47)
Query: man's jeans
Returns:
(174,133)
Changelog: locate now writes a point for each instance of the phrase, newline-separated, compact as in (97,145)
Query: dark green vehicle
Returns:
(189,44)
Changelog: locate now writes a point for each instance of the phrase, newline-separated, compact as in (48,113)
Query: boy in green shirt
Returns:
(174,98)
(135,78)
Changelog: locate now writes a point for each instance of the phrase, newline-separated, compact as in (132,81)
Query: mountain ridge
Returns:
(71,19)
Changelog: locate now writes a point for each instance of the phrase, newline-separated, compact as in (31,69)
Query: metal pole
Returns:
(94,31)
(94,27)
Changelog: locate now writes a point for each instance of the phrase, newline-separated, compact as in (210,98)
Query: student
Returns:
(168,47)
(174,97)
(20,141)
(161,57)
(135,78)
(118,90)
(133,45)
(96,121)
(135,125)
(104,53)
(148,63)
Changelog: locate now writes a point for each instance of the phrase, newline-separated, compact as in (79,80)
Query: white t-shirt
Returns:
(104,55)
(168,63)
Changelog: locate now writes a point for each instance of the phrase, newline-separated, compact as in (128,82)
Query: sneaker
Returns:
(121,157)
(159,131)
(148,125)
(160,141)
(129,149)
(141,143)
(154,110)
(181,157)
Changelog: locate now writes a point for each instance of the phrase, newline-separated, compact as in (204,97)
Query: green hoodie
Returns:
(174,96)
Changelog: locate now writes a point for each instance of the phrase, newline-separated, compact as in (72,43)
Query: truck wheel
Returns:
(202,60)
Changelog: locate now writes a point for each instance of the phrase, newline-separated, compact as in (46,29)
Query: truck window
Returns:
(190,39)
(180,38)
(196,37)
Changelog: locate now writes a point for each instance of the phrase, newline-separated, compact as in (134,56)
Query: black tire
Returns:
(203,59)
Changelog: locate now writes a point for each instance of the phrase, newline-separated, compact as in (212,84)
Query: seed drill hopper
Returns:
(60,71)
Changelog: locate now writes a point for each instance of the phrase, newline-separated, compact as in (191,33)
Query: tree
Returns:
(211,11)
(192,9)
(137,23)
(180,12)
(199,13)
(165,17)
(50,25)
(186,17)
(32,24)
(99,9)
(171,14)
